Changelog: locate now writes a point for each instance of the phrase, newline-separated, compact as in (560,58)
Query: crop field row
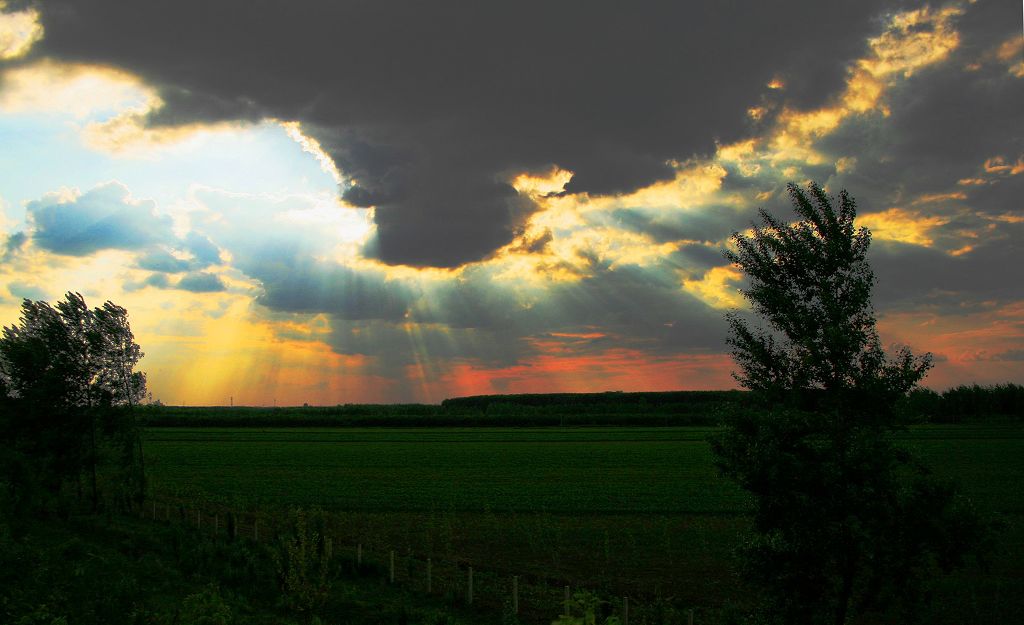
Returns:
(607,471)
(581,471)
(639,511)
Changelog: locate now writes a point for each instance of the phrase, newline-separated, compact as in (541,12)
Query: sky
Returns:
(348,201)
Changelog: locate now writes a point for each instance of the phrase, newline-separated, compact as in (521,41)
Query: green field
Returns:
(628,510)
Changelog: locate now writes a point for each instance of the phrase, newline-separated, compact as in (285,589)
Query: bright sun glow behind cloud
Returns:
(18,31)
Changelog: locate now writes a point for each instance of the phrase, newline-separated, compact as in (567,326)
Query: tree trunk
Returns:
(843,601)
(141,494)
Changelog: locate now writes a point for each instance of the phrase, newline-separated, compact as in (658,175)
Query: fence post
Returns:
(430,584)
(515,594)
(689,617)
(329,548)
(469,594)
(625,611)
(567,600)
(391,567)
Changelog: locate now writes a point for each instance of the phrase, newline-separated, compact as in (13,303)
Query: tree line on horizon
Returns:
(962,404)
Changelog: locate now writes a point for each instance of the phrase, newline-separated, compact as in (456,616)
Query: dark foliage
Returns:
(972,403)
(677,408)
(846,523)
(68,385)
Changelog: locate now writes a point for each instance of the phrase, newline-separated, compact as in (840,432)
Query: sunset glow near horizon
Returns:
(417,206)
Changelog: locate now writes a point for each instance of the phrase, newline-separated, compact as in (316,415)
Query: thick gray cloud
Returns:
(430,107)
(156,280)
(710,224)
(945,122)
(202,249)
(162,261)
(199,282)
(13,244)
(21,290)
(310,286)
(103,218)
(1014,355)
(475,320)
(911,276)
(194,282)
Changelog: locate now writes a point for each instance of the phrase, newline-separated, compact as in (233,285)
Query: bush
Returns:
(302,560)
(205,608)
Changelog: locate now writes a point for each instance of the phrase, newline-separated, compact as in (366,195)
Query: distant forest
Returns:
(974,403)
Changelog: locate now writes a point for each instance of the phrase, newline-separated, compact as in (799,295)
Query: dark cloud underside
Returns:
(431,107)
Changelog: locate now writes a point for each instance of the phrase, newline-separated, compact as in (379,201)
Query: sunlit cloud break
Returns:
(327,225)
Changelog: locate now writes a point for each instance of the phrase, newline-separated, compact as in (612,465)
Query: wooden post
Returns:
(359,555)
(567,600)
(625,611)
(469,594)
(329,548)
(430,581)
(391,567)
(689,617)
(515,594)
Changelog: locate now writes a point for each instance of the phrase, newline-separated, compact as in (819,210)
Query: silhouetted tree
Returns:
(65,372)
(844,520)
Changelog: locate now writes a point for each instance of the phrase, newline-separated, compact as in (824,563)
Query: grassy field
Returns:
(637,511)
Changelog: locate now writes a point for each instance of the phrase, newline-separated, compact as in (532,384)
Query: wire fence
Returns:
(528,596)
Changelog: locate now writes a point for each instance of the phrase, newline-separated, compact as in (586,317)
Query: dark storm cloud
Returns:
(430,107)
(911,276)
(103,218)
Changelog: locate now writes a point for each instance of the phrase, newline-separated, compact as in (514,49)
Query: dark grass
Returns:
(582,472)
(123,570)
(637,511)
